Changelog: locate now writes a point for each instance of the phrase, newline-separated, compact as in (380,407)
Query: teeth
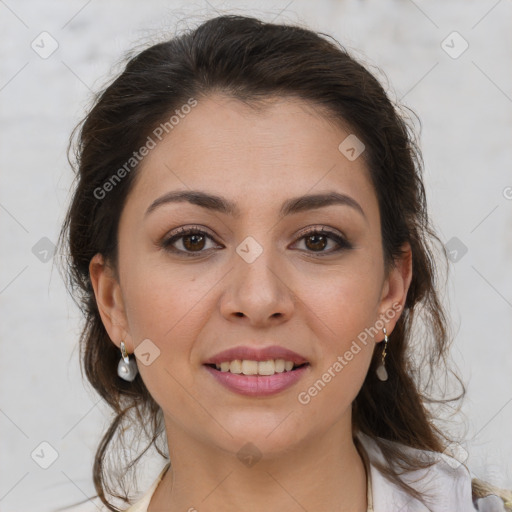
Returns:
(233,367)
(248,367)
(224,367)
(279,365)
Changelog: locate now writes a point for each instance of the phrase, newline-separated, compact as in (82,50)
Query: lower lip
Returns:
(258,385)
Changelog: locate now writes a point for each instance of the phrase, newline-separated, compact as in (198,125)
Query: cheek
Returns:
(161,309)
(341,311)
(161,302)
(169,308)
(345,349)
(345,299)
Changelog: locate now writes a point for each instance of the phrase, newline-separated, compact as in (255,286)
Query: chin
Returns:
(267,439)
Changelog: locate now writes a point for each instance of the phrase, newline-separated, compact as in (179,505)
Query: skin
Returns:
(194,307)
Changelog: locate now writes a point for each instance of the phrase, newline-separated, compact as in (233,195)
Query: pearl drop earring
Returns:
(381,371)
(127,368)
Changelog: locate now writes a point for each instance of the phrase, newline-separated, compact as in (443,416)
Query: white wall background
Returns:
(465,105)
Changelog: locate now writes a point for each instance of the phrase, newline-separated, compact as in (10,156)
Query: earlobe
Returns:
(396,287)
(109,299)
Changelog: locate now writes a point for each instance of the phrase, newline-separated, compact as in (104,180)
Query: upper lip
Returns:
(257,354)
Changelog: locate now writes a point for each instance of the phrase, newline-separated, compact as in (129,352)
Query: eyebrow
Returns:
(222,205)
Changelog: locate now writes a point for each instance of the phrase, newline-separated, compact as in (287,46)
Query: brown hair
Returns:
(251,60)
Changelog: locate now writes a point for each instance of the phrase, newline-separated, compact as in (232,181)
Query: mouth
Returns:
(253,383)
(257,371)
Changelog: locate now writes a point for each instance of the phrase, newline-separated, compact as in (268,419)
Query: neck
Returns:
(326,474)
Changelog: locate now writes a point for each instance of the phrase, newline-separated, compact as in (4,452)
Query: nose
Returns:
(257,292)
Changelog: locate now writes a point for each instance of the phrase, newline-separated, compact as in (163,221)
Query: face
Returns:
(253,267)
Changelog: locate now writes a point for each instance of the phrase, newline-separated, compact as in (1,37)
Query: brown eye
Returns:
(188,242)
(316,242)
(194,242)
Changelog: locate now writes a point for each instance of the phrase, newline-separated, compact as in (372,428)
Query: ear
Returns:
(110,301)
(395,288)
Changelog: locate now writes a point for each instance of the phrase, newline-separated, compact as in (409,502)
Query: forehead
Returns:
(284,147)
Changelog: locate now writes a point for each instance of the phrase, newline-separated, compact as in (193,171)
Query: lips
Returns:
(256,354)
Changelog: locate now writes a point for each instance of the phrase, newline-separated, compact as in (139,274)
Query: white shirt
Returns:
(448,482)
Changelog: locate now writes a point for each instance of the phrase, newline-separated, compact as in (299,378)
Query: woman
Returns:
(249,241)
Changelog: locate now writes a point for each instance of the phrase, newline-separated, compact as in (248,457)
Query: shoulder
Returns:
(446,485)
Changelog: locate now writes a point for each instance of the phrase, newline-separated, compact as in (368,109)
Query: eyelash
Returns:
(183,232)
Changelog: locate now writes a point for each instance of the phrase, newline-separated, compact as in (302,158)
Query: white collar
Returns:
(447,482)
